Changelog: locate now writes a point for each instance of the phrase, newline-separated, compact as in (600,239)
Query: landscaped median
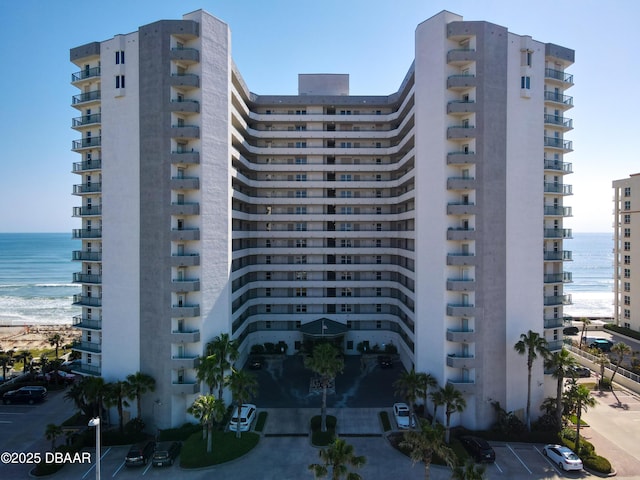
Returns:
(226,447)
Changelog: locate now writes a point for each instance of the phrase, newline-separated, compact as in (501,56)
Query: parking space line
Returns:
(555,467)
(498,467)
(148,467)
(118,469)
(94,465)
(519,459)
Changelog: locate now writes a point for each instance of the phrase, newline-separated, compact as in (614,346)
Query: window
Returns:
(267,292)
(301,210)
(627,286)
(627,246)
(346,227)
(301,292)
(378,308)
(378,259)
(346,275)
(378,275)
(627,232)
(346,177)
(120,57)
(301,144)
(301,177)
(378,292)
(345,308)
(301,194)
(301,309)
(301,128)
(267,259)
(346,243)
(346,210)
(346,292)
(378,243)
(301,275)
(301,259)
(627,300)
(627,205)
(301,243)
(301,227)
(346,194)
(526,56)
(378,324)
(267,275)
(627,219)
(301,160)
(267,324)
(627,191)
(525,82)
(346,259)
(301,112)
(378,227)
(627,259)
(627,313)
(119,81)
(378,210)
(627,273)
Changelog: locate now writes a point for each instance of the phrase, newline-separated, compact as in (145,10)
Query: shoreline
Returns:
(35,336)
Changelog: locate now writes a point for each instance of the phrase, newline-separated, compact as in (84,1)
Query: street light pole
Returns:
(95,422)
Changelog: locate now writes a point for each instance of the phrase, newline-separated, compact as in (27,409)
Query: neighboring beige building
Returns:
(626,247)
(430,217)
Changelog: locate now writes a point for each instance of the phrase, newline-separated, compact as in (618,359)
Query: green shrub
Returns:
(180,433)
(390,348)
(320,438)
(270,347)
(386,423)
(597,463)
(225,447)
(622,330)
(134,426)
(257,349)
(568,439)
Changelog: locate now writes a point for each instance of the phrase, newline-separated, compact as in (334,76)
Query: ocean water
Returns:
(36,273)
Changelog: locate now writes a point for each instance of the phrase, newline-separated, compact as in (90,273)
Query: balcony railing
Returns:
(557,233)
(80,322)
(558,188)
(558,143)
(86,97)
(94,187)
(558,98)
(553,322)
(86,73)
(87,120)
(563,255)
(87,142)
(558,165)
(557,300)
(93,164)
(87,211)
(558,75)
(557,210)
(86,278)
(558,120)
(87,256)
(91,347)
(87,301)
(86,233)
(564,277)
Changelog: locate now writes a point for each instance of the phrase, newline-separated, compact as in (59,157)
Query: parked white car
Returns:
(247,416)
(563,457)
(403,416)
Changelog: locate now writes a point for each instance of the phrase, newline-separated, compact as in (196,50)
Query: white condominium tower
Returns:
(430,218)
(626,245)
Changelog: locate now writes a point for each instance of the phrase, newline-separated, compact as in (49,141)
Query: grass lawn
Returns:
(320,438)
(224,447)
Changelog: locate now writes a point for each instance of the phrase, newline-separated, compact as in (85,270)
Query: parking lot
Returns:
(515,460)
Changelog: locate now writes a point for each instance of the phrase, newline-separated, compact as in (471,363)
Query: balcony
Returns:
(87,211)
(458,361)
(558,211)
(558,121)
(558,75)
(86,233)
(86,301)
(461,56)
(564,277)
(192,208)
(85,74)
(185,388)
(185,285)
(461,158)
(457,132)
(185,157)
(185,55)
(564,100)
(460,336)
(183,336)
(461,310)
(557,233)
(185,360)
(461,259)
(86,278)
(85,120)
(184,105)
(460,107)
(185,132)
(186,260)
(87,369)
(461,234)
(87,142)
(553,142)
(185,234)
(464,386)
(559,188)
(184,80)
(85,256)
(553,323)
(461,208)
(560,256)
(89,347)
(185,310)
(557,300)
(87,165)
(461,285)
(461,183)
(185,183)
(82,188)
(86,323)
(555,345)
(86,97)
(461,82)
(558,166)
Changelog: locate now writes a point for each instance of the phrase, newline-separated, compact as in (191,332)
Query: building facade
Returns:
(430,218)
(626,245)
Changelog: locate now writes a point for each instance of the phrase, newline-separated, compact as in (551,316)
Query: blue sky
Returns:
(273,41)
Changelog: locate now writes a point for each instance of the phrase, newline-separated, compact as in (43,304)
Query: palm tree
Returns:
(94,391)
(140,383)
(454,402)
(426,442)
(243,387)
(55,340)
(226,351)
(5,362)
(117,395)
(559,363)
(469,471)
(76,394)
(208,410)
(207,371)
(531,344)
(603,361)
(427,381)
(339,456)
(326,362)
(585,323)
(25,356)
(438,400)
(52,432)
(620,349)
(581,399)
(409,387)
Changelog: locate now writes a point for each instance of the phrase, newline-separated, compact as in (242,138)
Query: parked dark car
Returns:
(165,454)
(580,371)
(28,395)
(570,330)
(601,344)
(478,448)
(255,362)
(385,361)
(139,454)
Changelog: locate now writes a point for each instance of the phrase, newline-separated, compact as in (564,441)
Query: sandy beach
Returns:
(32,337)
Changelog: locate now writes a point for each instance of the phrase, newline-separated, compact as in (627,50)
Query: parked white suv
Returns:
(247,416)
